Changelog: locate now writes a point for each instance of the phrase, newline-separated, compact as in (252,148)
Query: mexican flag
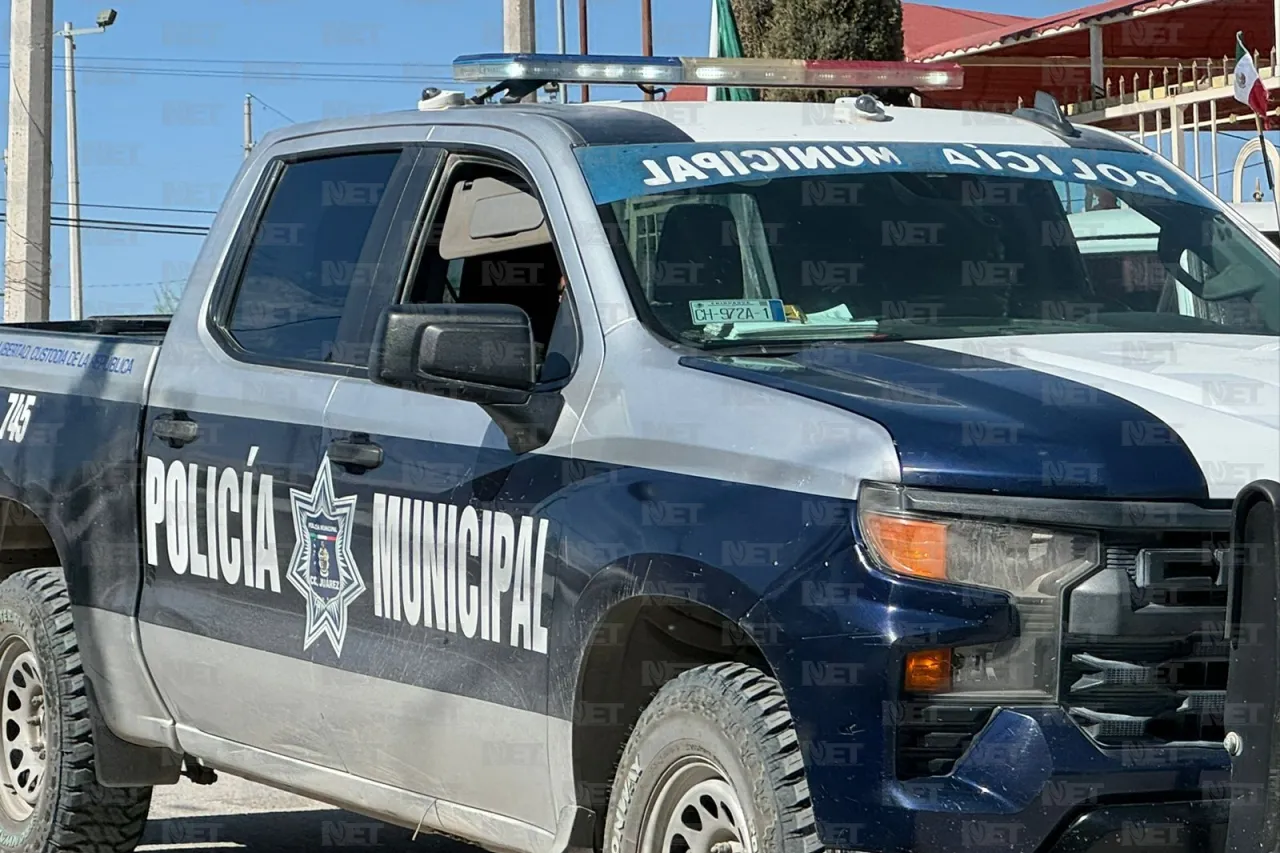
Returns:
(725,44)
(1249,88)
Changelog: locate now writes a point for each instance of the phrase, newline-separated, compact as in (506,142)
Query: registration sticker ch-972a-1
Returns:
(705,312)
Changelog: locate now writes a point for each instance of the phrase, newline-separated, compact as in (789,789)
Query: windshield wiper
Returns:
(762,350)
(791,346)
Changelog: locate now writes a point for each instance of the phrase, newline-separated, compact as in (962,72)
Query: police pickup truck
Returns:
(651,476)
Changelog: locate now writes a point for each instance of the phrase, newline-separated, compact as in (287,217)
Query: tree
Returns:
(752,18)
(820,29)
(166,298)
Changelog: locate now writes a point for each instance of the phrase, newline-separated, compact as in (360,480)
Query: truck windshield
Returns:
(779,242)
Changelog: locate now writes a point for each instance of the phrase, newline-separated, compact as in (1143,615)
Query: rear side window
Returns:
(314,249)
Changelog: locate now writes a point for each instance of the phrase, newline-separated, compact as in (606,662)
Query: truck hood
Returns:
(1118,416)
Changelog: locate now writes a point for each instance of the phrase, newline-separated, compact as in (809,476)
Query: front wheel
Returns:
(50,799)
(713,766)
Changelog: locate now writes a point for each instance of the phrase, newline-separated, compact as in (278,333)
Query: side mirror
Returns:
(480,353)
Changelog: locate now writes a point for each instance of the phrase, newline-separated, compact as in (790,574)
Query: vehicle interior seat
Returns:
(528,277)
(695,259)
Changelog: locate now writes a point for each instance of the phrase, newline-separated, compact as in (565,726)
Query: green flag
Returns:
(727,45)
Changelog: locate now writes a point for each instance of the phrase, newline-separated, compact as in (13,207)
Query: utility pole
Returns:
(28,180)
(73,177)
(68,34)
(561,89)
(582,42)
(248,125)
(560,25)
(518,31)
(646,35)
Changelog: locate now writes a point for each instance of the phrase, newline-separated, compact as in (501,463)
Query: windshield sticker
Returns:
(707,311)
(616,172)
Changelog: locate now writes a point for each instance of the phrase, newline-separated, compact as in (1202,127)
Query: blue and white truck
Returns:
(653,477)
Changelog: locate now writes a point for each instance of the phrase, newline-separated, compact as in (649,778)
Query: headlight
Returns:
(1031,564)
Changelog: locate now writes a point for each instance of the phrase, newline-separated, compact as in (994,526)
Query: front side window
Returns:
(491,245)
(313,250)
(766,242)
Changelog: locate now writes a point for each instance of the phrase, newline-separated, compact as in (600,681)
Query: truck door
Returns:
(233,447)
(459,528)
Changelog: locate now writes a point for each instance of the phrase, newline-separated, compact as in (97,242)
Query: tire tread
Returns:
(87,817)
(759,703)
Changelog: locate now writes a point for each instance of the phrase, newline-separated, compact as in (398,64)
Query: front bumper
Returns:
(1031,781)
(1180,827)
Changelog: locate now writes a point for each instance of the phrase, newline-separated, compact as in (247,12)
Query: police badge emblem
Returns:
(322,568)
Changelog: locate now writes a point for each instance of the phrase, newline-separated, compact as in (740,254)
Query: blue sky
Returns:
(160,98)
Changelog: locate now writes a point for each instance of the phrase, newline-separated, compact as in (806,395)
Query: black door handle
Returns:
(176,430)
(356,453)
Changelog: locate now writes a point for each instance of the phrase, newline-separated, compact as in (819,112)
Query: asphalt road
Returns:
(233,814)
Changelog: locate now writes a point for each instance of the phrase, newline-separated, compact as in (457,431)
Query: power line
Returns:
(140,207)
(130,229)
(117,284)
(130,283)
(273,109)
(144,208)
(92,221)
(135,228)
(248,74)
(321,62)
(203,229)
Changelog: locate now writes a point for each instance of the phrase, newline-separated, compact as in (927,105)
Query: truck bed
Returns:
(125,325)
(72,400)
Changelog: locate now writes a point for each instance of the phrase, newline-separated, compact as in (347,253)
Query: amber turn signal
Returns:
(908,546)
(929,671)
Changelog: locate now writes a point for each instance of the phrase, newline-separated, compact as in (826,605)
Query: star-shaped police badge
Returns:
(322,568)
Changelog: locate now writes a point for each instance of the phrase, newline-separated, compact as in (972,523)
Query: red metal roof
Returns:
(1148,35)
(924,26)
(686,93)
(1176,30)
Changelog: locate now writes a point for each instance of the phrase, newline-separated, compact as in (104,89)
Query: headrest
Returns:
(698,256)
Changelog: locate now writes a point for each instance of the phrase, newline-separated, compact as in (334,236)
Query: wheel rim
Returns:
(694,809)
(22,729)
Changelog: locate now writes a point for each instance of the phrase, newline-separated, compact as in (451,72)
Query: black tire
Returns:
(71,811)
(725,717)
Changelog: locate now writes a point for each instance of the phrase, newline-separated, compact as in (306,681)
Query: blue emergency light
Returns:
(541,68)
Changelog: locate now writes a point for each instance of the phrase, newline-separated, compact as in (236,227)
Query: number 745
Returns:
(14,426)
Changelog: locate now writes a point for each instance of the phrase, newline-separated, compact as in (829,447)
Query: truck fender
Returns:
(675,578)
(34,539)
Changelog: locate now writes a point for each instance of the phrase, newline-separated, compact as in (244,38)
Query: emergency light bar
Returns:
(704,71)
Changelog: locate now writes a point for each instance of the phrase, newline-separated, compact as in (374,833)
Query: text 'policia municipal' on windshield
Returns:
(623,171)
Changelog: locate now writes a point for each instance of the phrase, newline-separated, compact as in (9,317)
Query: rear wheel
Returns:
(22,729)
(50,799)
(713,766)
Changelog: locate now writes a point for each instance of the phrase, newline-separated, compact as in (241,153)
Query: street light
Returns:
(106,18)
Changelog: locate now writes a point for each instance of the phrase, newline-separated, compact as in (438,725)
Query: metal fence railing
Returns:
(1173,111)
